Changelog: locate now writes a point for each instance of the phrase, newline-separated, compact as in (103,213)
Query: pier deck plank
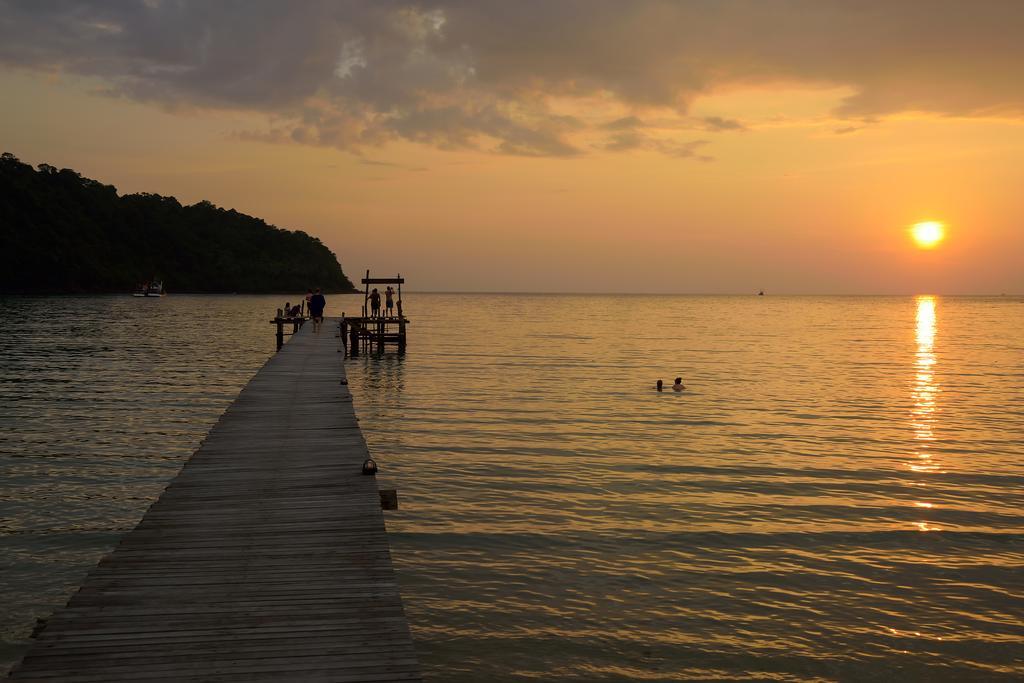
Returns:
(266,558)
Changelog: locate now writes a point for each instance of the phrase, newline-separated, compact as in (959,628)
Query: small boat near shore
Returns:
(150,289)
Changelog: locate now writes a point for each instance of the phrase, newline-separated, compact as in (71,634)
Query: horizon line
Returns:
(545,293)
(755,294)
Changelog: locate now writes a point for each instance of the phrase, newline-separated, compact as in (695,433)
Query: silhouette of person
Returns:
(659,386)
(317,303)
(678,386)
(374,303)
(389,300)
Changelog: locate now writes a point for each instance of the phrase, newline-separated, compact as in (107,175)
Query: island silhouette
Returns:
(65,233)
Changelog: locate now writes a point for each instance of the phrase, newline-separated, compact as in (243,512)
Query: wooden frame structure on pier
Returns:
(372,329)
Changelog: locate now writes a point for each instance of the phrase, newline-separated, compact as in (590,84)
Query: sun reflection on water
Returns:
(925,395)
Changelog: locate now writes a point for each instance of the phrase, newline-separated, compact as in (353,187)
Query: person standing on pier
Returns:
(317,303)
(374,303)
(389,300)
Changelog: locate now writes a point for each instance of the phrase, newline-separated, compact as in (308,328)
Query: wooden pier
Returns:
(266,558)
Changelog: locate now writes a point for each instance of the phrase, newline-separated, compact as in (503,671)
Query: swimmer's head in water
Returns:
(659,385)
(679,380)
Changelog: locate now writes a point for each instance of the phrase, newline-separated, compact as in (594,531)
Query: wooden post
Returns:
(280,332)
(366,292)
(388,499)
(343,328)
(353,349)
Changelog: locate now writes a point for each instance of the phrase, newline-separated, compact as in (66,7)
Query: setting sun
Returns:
(928,234)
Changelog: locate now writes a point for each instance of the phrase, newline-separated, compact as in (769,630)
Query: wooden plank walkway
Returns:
(266,558)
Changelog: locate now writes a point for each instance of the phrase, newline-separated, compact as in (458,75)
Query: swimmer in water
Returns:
(659,385)
(678,386)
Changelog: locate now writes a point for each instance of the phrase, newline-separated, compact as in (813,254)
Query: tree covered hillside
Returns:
(61,232)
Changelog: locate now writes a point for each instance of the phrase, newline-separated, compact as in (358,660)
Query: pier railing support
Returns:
(279,322)
(353,348)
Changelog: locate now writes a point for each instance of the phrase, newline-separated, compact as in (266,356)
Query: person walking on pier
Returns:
(374,303)
(389,300)
(317,303)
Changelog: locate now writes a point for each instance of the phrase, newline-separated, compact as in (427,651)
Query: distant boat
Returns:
(150,289)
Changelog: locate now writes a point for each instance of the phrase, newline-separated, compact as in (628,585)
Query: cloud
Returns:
(625,123)
(630,140)
(496,75)
(363,161)
(717,124)
(627,140)
(463,126)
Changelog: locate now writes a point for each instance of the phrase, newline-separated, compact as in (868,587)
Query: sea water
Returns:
(837,495)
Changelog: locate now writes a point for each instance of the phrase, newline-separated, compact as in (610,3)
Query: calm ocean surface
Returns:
(838,496)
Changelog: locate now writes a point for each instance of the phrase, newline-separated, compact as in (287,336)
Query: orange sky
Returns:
(598,147)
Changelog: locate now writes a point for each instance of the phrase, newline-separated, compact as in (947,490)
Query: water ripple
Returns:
(837,496)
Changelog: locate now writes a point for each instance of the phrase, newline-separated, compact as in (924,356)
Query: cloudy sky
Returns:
(719,146)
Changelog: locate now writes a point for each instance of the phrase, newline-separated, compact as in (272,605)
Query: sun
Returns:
(928,234)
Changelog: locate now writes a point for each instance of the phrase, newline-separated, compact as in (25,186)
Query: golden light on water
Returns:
(928,234)
(925,387)
(926,328)
(925,395)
